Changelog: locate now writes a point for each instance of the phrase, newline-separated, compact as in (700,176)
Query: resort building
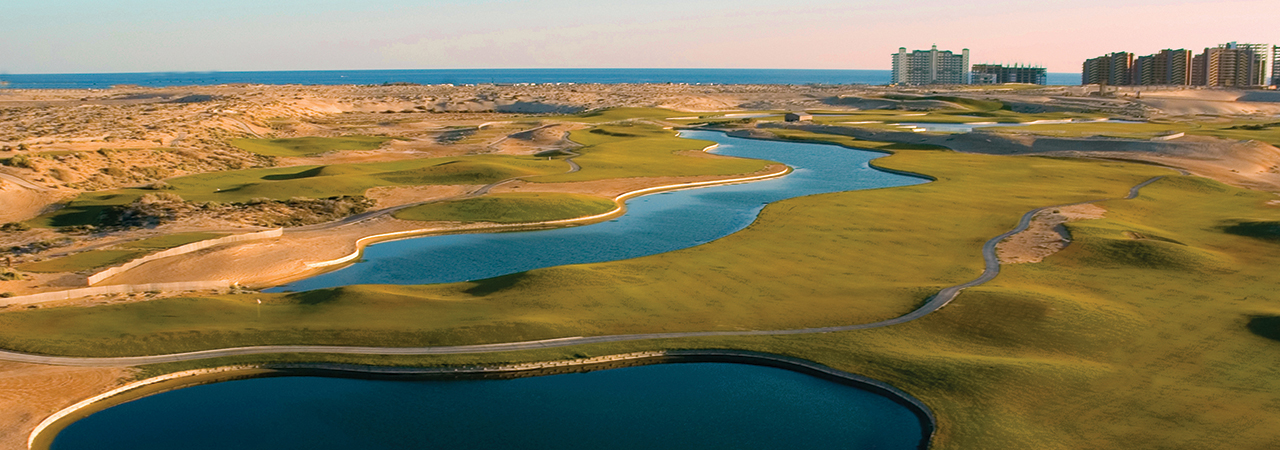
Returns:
(1267,53)
(1115,69)
(1000,74)
(797,116)
(1228,65)
(1275,57)
(1169,67)
(930,67)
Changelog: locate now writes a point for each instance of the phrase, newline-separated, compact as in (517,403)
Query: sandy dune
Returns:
(29,393)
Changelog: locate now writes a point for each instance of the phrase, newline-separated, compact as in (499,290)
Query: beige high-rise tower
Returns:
(930,67)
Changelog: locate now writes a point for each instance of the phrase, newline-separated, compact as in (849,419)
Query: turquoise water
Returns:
(653,224)
(675,406)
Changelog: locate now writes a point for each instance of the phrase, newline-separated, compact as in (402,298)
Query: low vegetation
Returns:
(626,114)
(644,150)
(510,208)
(78,262)
(170,240)
(303,182)
(307,146)
(116,254)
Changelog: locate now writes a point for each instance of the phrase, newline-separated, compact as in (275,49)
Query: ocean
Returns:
(464,76)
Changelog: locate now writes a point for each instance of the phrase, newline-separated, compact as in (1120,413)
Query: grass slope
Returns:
(307,146)
(170,240)
(1152,330)
(510,208)
(642,150)
(83,261)
(122,253)
(874,265)
(1177,352)
(283,183)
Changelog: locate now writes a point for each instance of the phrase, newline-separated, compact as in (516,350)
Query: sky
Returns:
(96,36)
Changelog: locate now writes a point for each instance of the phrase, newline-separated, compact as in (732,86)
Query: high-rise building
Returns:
(998,74)
(930,67)
(1228,65)
(1095,70)
(1266,68)
(1275,57)
(1115,69)
(1169,67)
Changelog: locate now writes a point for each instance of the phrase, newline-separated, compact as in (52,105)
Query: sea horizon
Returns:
(465,77)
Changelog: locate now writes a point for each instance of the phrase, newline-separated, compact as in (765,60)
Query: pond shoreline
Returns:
(42,437)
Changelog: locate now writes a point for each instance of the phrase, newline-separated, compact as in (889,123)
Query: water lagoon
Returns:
(694,406)
(653,224)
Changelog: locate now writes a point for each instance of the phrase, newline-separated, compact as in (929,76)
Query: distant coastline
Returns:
(465,76)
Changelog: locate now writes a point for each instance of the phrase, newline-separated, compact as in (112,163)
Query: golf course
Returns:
(1157,324)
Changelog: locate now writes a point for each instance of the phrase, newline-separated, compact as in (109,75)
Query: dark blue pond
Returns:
(678,406)
(653,224)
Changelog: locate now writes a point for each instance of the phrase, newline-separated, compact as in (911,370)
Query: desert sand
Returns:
(29,393)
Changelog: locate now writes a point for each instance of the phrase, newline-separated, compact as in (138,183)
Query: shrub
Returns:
(162,197)
(6,294)
(22,161)
(115,171)
(159,186)
(14,227)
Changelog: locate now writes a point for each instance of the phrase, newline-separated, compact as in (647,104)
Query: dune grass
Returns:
(116,254)
(642,150)
(510,208)
(83,261)
(283,183)
(307,146)
(620,114)
(170,240)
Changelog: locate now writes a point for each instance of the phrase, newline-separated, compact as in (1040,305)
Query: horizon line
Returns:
(176,72)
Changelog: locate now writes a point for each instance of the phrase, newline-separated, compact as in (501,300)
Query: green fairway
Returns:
(1268,132)
(1089,349)
(92,259)
(510,208)
(946,116)
(618,114)
(873,265)
(1158,326)
(307,146)
(117,254)
(640,150)
(283,183)
(170,240)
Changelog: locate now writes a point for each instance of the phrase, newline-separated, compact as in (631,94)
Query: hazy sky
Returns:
(68,36)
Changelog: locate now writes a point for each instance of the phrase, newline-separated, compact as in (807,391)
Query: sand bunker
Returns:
(1046,235)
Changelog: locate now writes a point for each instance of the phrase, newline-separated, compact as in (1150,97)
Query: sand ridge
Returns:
(31,392)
